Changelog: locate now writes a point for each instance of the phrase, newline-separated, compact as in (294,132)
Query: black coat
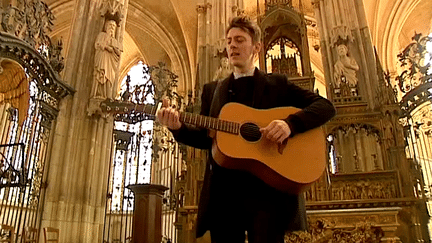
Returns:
(270,90)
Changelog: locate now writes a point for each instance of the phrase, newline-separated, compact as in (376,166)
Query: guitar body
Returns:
(290,169)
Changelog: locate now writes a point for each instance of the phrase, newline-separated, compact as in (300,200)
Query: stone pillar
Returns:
(79,161)
(147,216)
(213,19)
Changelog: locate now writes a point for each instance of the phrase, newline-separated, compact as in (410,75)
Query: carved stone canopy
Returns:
(341,35)
(286,22)
(112,10)
(282,22)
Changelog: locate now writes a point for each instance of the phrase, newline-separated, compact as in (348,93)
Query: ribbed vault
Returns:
(153,33)
(165,30)
(393,23)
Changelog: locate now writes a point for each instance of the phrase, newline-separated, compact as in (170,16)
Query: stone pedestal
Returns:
(147,216)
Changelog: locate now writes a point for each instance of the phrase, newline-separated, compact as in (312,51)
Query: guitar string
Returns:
(245,130)
(230,127)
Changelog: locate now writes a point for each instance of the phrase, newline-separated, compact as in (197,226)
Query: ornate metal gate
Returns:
(29,82)
(415,87)
(142,153)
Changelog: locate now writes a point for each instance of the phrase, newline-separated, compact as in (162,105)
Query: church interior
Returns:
(82,158)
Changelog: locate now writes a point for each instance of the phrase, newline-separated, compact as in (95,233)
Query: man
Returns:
(233,202)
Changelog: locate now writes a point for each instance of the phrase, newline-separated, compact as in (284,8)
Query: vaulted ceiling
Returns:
(166,30)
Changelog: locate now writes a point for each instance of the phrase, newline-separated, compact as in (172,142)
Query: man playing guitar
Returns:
(233,201)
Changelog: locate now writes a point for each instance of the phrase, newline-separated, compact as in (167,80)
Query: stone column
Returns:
(147,216)
(78,164)
(213,19)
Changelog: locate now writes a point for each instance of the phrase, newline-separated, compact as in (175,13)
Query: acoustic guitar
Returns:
(238,144)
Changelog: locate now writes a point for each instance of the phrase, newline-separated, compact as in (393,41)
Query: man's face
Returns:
(224,62)
(111,27)
(342,50)
(241,49)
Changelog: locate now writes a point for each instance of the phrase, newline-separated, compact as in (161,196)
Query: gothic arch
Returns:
(283,22)
(393,25)
(131,63)
(22,53)
(162,34)
(142,26)
(356,147)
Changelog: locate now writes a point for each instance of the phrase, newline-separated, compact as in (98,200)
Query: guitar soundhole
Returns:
(250,132)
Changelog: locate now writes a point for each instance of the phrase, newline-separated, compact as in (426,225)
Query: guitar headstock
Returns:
(127,111)
(117,106)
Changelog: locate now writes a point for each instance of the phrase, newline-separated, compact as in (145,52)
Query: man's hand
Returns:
(277,131)
(168,116)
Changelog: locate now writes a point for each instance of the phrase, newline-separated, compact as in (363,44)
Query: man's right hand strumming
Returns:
(168,116)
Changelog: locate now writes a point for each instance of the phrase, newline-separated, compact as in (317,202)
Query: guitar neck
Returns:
(209,122)
(197,120)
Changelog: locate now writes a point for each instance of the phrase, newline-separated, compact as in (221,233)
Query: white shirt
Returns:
(246,74)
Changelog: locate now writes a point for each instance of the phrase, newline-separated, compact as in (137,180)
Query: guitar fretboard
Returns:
(210,122)
(198,120)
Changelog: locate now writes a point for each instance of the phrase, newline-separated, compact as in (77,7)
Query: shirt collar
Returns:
(247,74)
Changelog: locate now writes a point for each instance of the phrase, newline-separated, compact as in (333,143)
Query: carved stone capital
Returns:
(94,108)
(234,8)
(315,3)
(202,8)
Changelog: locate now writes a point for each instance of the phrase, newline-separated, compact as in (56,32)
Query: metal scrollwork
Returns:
(31,21)
(37,67)
(165,83)
(48,114)
(416,64)
(24,38)
(9,175)
(159,82)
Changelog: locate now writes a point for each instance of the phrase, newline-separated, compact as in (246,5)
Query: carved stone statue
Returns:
(388,134)
(345,70)
(107,59)
(224,69)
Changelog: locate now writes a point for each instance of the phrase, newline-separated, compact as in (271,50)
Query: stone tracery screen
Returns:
(355,148)
(283,56)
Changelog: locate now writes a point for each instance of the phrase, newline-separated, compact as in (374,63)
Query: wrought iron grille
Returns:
(23,154)
(143,153)
(414,85)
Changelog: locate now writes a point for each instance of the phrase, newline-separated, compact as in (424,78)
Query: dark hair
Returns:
(246,24)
